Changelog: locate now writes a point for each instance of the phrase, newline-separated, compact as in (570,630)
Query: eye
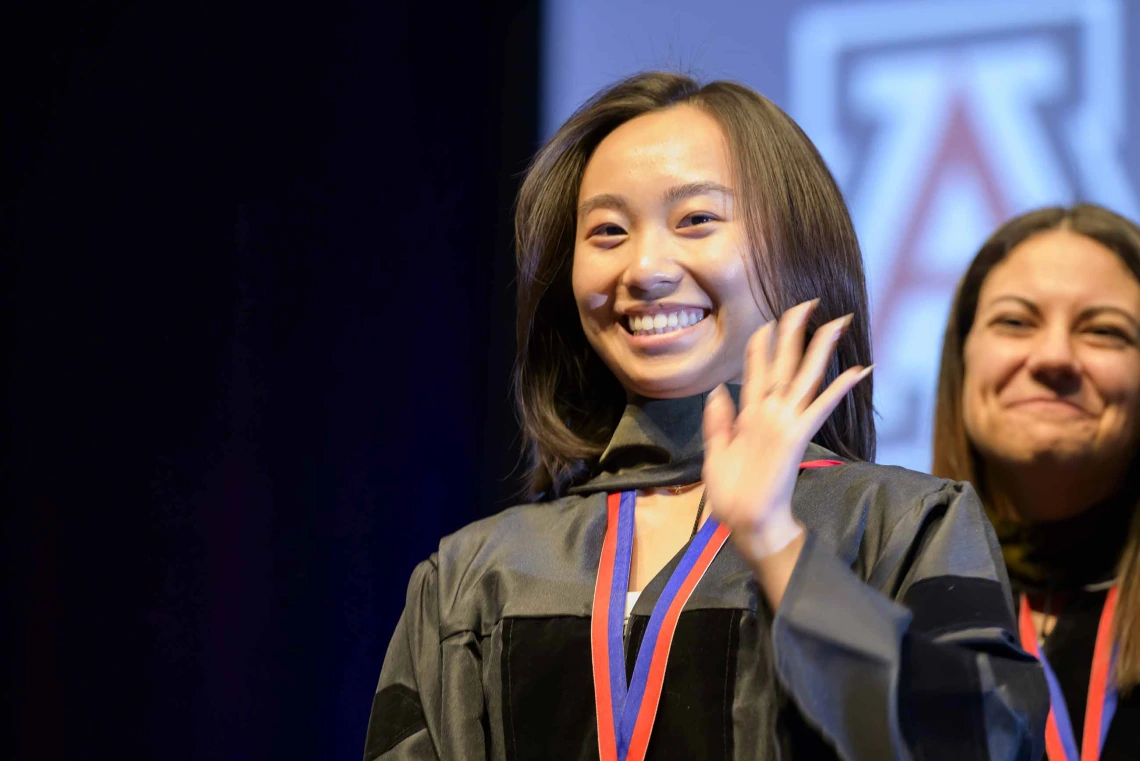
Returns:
(1110,333)
(1010,322)
(698,218)
(606,230)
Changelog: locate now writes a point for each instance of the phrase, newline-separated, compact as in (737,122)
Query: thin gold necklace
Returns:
(700,511)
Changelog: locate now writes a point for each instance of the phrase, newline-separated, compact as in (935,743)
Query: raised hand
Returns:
(752,456)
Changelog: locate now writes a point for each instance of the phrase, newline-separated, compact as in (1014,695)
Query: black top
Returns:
(1069,650)
(1067,567)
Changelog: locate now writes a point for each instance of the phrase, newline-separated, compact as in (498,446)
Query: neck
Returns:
(1045,494)
(1051,489)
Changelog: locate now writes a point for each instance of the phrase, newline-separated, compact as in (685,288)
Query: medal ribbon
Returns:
(626,712)
(1060,739)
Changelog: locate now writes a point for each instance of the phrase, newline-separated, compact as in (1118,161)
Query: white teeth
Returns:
(664,322)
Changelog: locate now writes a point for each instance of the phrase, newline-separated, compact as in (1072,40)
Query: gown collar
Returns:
(656,443)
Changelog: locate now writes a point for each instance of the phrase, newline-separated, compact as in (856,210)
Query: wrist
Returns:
(773,535)
(775,551)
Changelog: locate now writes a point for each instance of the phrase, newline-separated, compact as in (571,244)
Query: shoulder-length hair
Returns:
(802,243)
(954,455)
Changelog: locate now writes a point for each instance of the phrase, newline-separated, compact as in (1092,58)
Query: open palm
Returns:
(752,457)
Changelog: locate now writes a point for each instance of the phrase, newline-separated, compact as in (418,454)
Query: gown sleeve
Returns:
(409,721)
(920,660)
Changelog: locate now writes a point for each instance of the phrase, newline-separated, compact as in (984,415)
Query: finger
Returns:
(816,359)
(719,417)
(819,410)
(790,343)
(757,364)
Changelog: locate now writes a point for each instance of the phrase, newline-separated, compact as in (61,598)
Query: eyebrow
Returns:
(672,195)
(603,201)
(1022,301)
(690,189)
(1092,311)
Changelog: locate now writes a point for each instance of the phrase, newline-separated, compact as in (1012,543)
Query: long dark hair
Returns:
(954,455)
(802,242)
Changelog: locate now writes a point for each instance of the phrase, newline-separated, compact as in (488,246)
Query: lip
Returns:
(1046,402)
(660,340)
(658,308)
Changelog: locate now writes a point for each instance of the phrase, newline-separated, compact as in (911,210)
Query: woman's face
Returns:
(661,257)
(1052,364)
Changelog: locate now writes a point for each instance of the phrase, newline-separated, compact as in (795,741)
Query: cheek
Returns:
(579,274)
(989,364)
(982,367)
(981,415)
(587,279)
(724,271)
(594,280)
(1117,381)
(971,404)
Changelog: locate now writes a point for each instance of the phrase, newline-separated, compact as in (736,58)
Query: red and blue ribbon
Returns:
(1060,738)
(626,712)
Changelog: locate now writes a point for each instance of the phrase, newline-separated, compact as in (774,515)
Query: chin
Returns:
(1056,454)
(1037,441)
(667,389)
(667,375)
(1061,445)
(668,385)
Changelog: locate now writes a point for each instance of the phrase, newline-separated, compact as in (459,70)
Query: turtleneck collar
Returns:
(657,442)
(1070,553)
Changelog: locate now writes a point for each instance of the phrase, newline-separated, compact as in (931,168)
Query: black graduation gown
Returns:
(896,636)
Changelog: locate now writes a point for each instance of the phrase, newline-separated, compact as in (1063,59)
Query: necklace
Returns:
(678,490)
(700,512)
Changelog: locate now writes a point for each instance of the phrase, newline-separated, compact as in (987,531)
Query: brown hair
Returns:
(802,241)
(954,455)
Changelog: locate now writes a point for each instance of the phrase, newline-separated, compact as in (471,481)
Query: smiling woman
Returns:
(710,566)
(1039,407)
(658,205)
(669,176)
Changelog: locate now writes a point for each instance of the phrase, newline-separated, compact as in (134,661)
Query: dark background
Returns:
(258,325)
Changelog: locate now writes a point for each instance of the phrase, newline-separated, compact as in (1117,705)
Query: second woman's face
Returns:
(1052,363)
(661,273)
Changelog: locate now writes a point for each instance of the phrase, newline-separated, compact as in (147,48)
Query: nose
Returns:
(1053,362)
(652,273)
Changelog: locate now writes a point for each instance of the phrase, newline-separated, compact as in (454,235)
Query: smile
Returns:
(663,322)
(1042,400)
(1051,408)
